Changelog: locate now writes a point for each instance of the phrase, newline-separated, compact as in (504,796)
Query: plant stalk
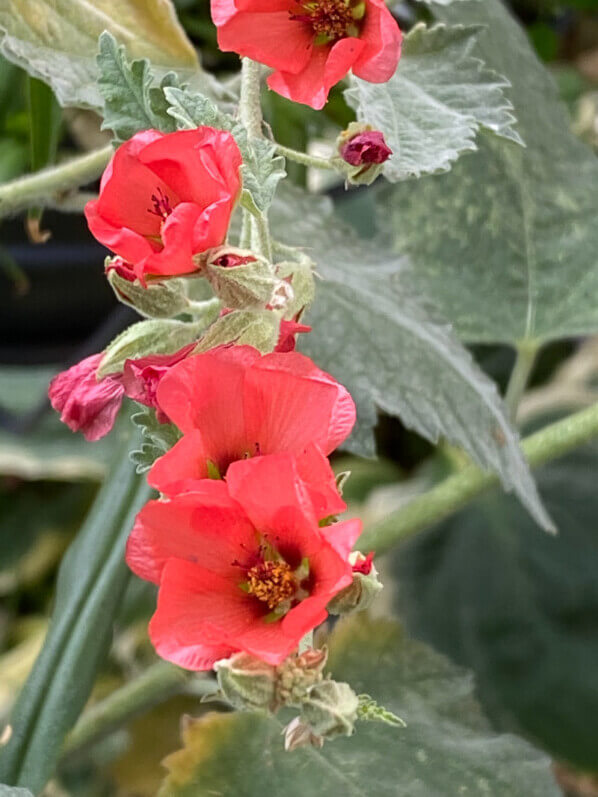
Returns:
(49,184)
(304,159)
(158,683)
(457,490)
(522,370)
(250,107)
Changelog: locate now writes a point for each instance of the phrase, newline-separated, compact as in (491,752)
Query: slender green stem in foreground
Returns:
(155,685)
(304,158)
(35,189)
(250,106)
(522,370)
(456,491)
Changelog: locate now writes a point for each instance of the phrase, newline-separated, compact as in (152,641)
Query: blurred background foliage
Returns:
(517,607)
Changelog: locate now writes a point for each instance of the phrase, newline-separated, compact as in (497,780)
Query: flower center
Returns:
(162,207)
(331,20)
(271,582)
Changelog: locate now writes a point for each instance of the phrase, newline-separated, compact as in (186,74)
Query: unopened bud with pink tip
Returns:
(359,595)
(241,279)
(362,151)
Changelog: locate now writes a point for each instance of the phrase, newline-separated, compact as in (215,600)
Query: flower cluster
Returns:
(244,541)
(236,543)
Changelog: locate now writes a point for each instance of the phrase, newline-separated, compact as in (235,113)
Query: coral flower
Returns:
(234,403)
(311,45)
(167,197)
(241,564)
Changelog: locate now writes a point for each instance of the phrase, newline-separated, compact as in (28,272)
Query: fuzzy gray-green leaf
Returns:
(381,343)
(434,106)
(506,245)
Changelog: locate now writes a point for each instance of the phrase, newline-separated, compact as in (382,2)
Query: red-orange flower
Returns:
(311,44)
(167,197)
(241,564)
(234,403)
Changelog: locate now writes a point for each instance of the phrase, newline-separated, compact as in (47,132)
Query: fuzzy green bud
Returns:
(247,683)
(330,709)
(240,278)
(160,299)
(359,595)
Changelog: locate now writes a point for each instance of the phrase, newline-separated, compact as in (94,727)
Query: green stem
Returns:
(522,370)
(158,683)
(262,241)
(246,225)
(250,106)
(304,158)
(457,490)
(35,189)
(250,110)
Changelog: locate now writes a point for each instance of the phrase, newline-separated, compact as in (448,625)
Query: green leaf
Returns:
(371,334)
(131,102)
(158,438)
(193,109)
(506,244)
(55,41)
(91,582)
(11,791)
(447,747)
(257,328)
(519,607)
(48,450)
(45,116)
(262,168)
(371,711)
(439,98)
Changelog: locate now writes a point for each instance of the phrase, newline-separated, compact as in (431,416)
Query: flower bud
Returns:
(241,279)
(299,734)
(359,595)
(362,151)
(247,682)
(162,299)
(149,337)
(297,674)
(330,709)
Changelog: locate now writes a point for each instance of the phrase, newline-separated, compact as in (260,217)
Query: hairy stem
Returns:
(522,370)
(304,158)
(457,490)
(158,683)
(250,107)
(250,111)
(49,184)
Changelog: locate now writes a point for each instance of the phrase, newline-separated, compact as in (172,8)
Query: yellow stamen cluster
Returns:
(332,20)
(271,582)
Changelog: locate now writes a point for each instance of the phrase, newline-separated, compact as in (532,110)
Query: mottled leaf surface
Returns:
(56,41)
(506,245)
(446,748)
(370,333)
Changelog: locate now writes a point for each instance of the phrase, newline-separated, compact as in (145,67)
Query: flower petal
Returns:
(382,39)
(205,526)
(325,68)
(290,404)
(269,37)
